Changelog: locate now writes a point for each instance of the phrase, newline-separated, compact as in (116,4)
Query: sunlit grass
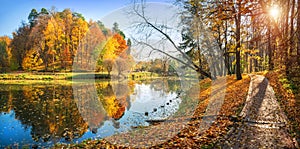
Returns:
(72,75)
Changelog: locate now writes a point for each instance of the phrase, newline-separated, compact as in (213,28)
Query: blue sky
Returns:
(13,12)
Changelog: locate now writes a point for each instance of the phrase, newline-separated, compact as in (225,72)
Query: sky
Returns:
(13,12)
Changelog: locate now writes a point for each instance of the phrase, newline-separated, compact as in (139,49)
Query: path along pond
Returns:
(43,114)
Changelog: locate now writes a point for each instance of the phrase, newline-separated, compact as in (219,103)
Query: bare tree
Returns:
(148,28)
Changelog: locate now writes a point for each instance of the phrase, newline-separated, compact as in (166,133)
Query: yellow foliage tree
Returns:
(31,60)
(114,48)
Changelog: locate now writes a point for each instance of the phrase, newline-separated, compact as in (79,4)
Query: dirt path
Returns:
(263,124)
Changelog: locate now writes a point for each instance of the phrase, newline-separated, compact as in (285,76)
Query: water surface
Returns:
(43,114)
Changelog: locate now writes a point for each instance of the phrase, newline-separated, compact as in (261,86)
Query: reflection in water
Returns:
(154,101)
(44,114)
(48,111)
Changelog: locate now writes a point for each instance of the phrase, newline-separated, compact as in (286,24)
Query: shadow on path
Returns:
(258,91)
(263,122)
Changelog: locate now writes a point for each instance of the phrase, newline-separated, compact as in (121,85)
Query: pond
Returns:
(43,114)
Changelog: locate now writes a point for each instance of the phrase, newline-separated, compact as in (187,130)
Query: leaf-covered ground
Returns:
(288,95)
(264,124)
(188,135)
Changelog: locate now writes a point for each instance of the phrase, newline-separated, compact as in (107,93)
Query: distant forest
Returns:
(54,41)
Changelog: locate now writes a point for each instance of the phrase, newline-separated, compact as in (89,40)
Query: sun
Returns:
(274,12)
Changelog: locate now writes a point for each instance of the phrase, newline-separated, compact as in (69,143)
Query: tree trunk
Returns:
(238,42)
(250,65)
(256,65)
(291,46)
(270,49)
(298,33)
(227,64)
(261,55)
(199,52)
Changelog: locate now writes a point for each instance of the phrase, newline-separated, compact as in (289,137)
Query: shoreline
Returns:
(48,76)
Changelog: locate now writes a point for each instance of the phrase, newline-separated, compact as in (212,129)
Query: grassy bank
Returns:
(69,76)
(35,76)
(190,136)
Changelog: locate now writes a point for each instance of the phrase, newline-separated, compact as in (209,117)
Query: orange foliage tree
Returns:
(113,51)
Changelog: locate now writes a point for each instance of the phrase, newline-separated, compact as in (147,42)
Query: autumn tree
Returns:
(39,41)
(53,36)
(108,64)
(50,35)
(53,41)
(237,10)
(122,45)
(114,49)
(106,32)
(198,19)
(32,17)
(108,54)
(241,29)
(31,61)
(274,35)
(74,30)
(5,50)
(57,36)
(90,48)
(20,44)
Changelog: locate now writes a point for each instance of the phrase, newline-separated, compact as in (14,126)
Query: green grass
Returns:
(142,75)
(48,76)
(32,76)
(287,84)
